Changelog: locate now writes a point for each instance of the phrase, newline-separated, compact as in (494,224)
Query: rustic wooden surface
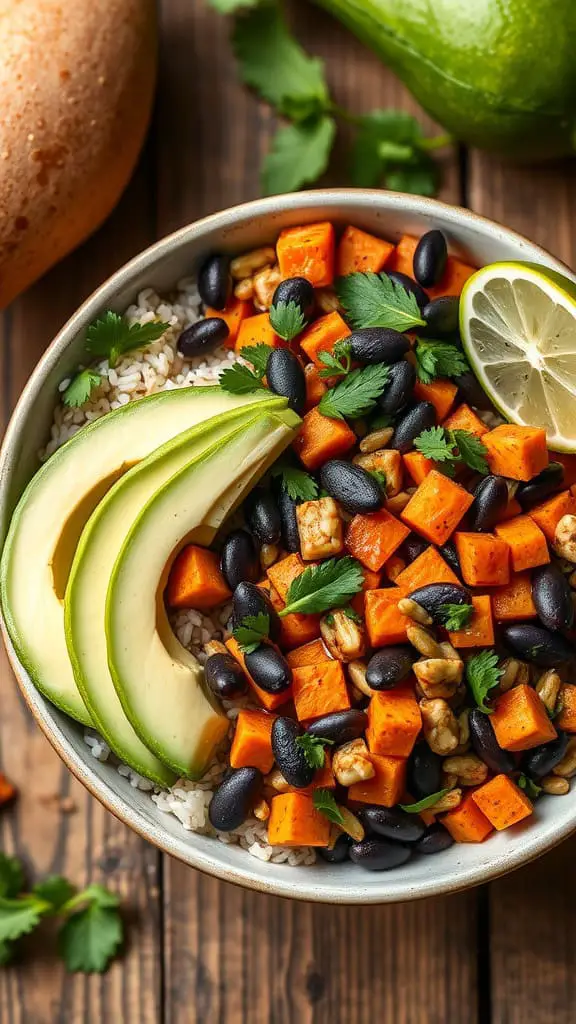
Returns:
(200,951)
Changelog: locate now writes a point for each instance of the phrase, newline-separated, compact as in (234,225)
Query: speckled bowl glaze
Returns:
(244,227)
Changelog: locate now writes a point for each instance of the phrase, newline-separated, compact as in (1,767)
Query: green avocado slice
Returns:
(160,685)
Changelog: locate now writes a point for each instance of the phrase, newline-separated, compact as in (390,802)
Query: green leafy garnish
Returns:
(351,614)
(391,149)
(434,444)
(324,802)
(375,300)
(453,446)
(482,675)
(530,788)
(357,394)
(252,631)
(313,749)
(11,876)
(240,380)
(380,421)
(338,362)
(455,616)
(297,483)
(425,803)
(56,890)
(20,915)
(379,477)
(287,319)
(471,450)
(438,359)
(80,388)
(258,355)
(299,154)
(233,6)
(111,336)
(321,587)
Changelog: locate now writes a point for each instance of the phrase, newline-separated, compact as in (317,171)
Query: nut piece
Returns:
(566,768)
(215,647)
(565,538)
(343,637)
(377,439)
(387,461)
(555,786)
(572,580)
(277,781)
(548,688)
(415,612)
(449,802)
(261,811)
(440,726)
(469,769)
(320,528)
(265,284)
(464,732)
(351,825)
(247,264)
(422,639)
(515,672)
(352,763)
(357,675)
(398,502)
(269,554)
(438,677)
(244,290)
(327,300)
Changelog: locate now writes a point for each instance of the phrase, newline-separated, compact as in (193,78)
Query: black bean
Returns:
(239,560)
(232,803)
(379,854)
(339,852)
(485,744)
(537,645)
(298,290)
(224,676)
(414,546)
(269,669)
(351,486)
(540,487)
(214,281)
(393,823)
(441,316)
(249,599)
(432,596)
(263,516)
(490,501)
(399,389)
(424,771)
(411,286)
(552,596)
(540,761)
(429,262)
(288,519)
(436,839)
(203,336)
(378,345)
(285,377)
(450,555)
(471,391)
(340,726)
(390,666)
(289,756)
(413,422)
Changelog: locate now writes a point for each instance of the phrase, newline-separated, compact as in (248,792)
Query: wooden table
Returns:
(200,951)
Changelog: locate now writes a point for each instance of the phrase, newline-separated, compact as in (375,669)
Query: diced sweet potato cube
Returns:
(322,335)
(387,785)
(393,567)
(371,582)
(309,252)
(513,508)
(569,464)
(479,632)
(252,743)
(502,802)
(295,629)
(257,330)
(526,541)
(484,559)
(319,689)
(467,823)
(437,507)
(429,567)
(394,721)
(323,779)
(235,313)
(548,514)
(195,580)
(309,654)
(464,418)
(441,393)
(315,386)
(321,438)
(417,465)
(516,452)
(513,602)
(270,701)
(384,623)
(520,720)
(373,538)
(453,280)
(566,720)
(361,253)
(294,821)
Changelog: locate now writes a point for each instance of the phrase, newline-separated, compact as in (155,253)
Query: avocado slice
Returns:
(54,508)
(97,551)
(159,683)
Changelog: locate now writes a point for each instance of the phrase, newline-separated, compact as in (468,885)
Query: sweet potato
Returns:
(315,386)
(513,508)
(195,580)
(387,785)
(257,330)
(361,253)
(566,720)
(394,721)
(502,802)
(527,543)
(516,452)
(513,602)
(319,689)
(548,514)
(441,393)
(324,777)
(467,823)
(484,559)
(417,465)
(371,582)
(309,252)
(252,743)
(374,537)
(464,418)
(455,276)
(520,720)
(309,654)
(393,567)
(437,507)
(384,623)
(322,335)
(281,574)
(479,632)
(294,821)
(295,629)
(235,313)
(569,463)
(429,567)
(321,438)
(270,701)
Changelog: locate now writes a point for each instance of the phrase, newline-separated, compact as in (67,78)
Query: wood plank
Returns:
(531,912)
(56,826)
(232,955)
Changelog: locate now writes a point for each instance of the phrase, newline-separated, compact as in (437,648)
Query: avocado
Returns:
(53,510)
(160,684)
(98,548)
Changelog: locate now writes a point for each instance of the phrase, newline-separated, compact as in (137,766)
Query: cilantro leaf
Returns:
(471,450)
(375,300)
(338,362)
(357,394)
(380,421)
(11,875)
(530,788)
(20,916)
(258,356)
(327,585)
(6,953)
(80,388)
(375,130)
(299,485)
(482,675)
(299,155)
(89,939)
(313,749)
(252,631)
(324,802)
(455,616)
(438,359)
(55,890)
(379,477)
(287,319)
(420,175)
(434,444)
(111,336)
(232,6)
(240,380)
(425,802)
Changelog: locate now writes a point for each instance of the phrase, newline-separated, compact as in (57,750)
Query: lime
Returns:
(518,325)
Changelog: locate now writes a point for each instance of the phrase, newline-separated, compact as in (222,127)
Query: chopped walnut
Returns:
(352,763)
(343,637)
(439,725)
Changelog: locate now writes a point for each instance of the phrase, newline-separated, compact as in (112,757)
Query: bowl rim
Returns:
(183,848)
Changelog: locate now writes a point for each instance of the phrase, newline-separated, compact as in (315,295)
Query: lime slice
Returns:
(518,325)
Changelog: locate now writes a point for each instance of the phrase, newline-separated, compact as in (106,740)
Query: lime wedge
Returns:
(518,325)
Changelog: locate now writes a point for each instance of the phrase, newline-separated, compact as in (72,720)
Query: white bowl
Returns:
(236,230)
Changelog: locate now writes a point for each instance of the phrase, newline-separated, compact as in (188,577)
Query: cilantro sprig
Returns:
(258,356)
(357,394)
(482,675)
(240,380)
(438,359)
(111,336)
(80,388)
(330,584)
(425,802)
(313,748)
(337,363)
(453,446)
(530,788)
(375,300)
(287,320)
(324,802)
(298,484)
(252,631)
(455,616)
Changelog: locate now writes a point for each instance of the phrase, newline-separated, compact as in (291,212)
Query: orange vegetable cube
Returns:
(322,335)
(309,252)
(361,253)
(484,559)
(257,330)
(374,537)
(566,720)
(502,802)
(309,654)
(270,701)
(417,465)
(323,779)
(453,280)
(321,438)
(479,632)
(516,452)
(393,567)
(466,823)
(513,508)
(195,580)
(295,629)
(252,743)
(526,541)
(513,602)
(437,507)
(520,720)
(281,574)
(441,393)
(548,514)
(319,689)
(371,582)
(569,463)
(315,386)
(235,313)
(294,821)
(464,418)
(384,623)
(429,567)
(387,785)
(394,721)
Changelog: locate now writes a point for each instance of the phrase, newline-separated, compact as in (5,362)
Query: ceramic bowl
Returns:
(236,230)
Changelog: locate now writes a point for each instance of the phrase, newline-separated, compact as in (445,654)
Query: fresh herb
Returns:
(57,891)
(111,336)
(425,803)
(482,675)
(299,155)
(338,362)
(379,477)
(471,450)
(80,388)
(530,788)
(287,320)
(357,394)
(233,6)
(381,421)
(298,484)
(390,148)
(11,876)
(434,443)
(453,446)
(258,355)
(21,915)
(252,631)
(455,616)
(351,614)
(438,359)
(557,709)
(240,380)
(375,300)
(324,802)
(313,749)
(321,587)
